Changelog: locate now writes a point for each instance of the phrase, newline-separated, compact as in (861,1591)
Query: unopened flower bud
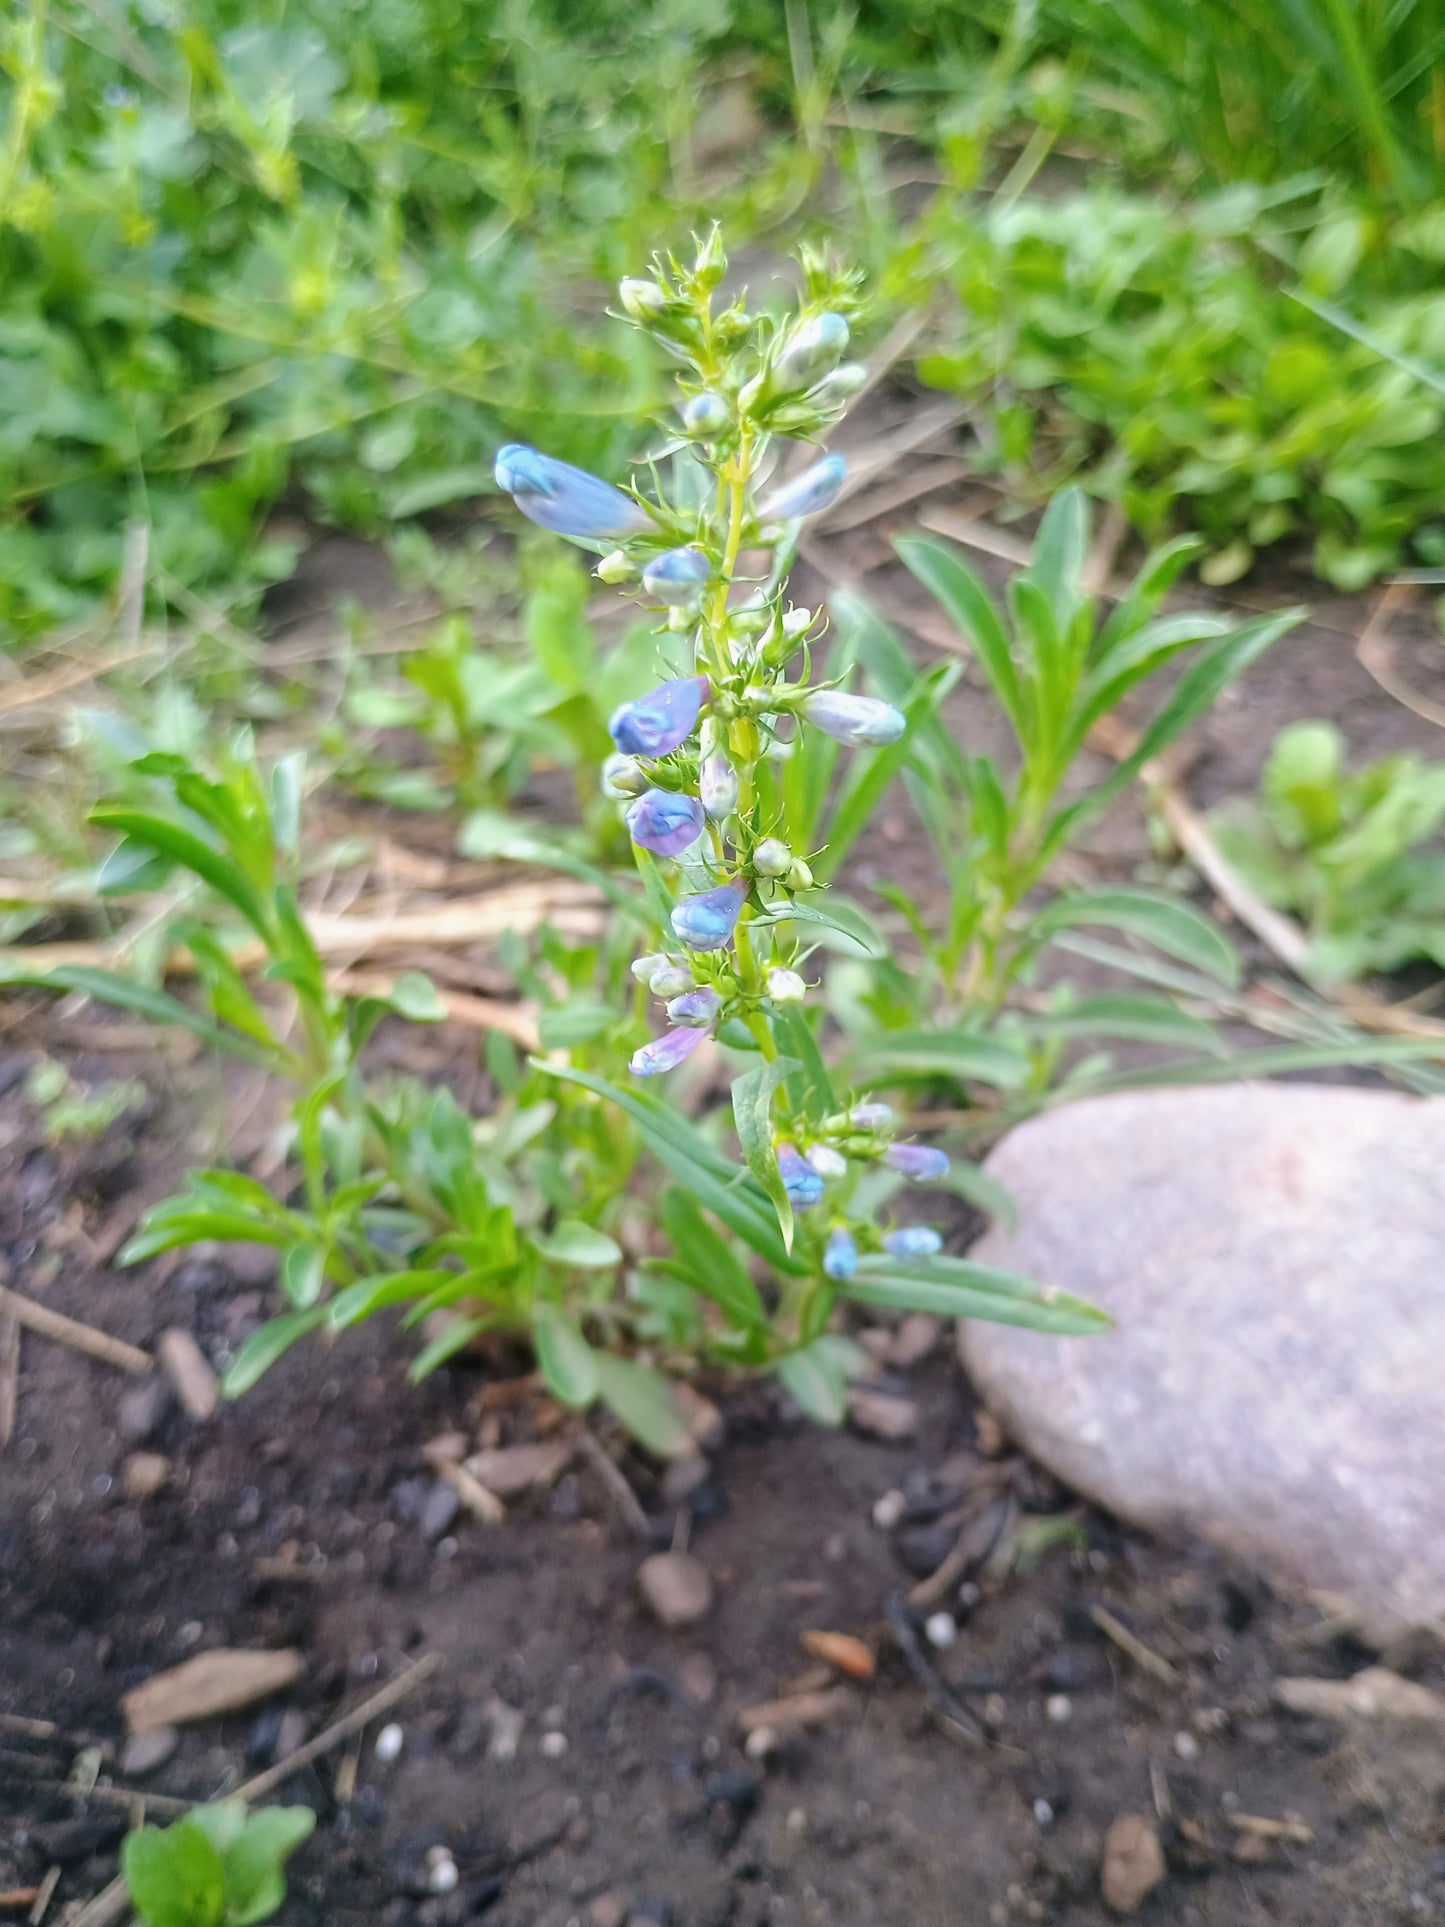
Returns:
(617,567)
(919,1162)
(696,1006)
(913,1241)
(828,1163)
(796,623)
(624,776)
(665,1053)
(676,578)
(717,783)
(706,415)
(840,1254)
(711,263)
(799,876)
(671,980)
(644,969)
(643,300)
(871,1117)
(786,986)
(814,490)
(772,858)
(707,921)
(564,499)
(800,1180)
(860,722)
(815,346)
(838,387)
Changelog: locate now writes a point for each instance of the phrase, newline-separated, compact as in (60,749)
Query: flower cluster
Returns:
(698,762)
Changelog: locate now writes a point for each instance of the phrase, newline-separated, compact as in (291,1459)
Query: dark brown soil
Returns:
(308,1515)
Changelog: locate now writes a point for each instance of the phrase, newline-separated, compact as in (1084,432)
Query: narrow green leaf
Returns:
(644,1402)
(817,1376)
(567,1362)
(941,1053)
(1060,550)
(265,1345)
(950,581)
(458,1334)
(711,1265)
(1174,927)
(158,1006)
(578,1247)
(955,1288)
(843,919)
(182,846)
(1135,1015)
(815,1089)
(368,1295)
(753,1114)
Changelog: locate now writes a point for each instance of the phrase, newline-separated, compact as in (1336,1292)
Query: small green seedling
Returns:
(219,1867)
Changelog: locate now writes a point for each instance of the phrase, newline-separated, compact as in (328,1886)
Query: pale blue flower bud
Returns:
(815,346)
(840,1255)
(564,499)
(913,1241)
(624,776)
(676,578)
(772,858)
(800,875)
(862,722)
(671,980)
(644,969)
(717,783)
(840,386)
(706,415)
(920,1162)
(664,821)
(665,1053)
(800,1180)
(871,1117)
(657,722)
(815,489)
(786,986)
(830,1165)
(707,921)
(697,1006)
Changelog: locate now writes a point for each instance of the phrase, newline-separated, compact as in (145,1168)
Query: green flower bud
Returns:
(624,776)
(799,876)
(617,567)
(644,969)
(840,386)
(712,263)
(772,858)
(643,300)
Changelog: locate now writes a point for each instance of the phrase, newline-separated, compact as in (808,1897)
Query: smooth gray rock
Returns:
(1274,1259)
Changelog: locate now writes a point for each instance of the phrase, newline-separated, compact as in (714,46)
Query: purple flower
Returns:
(698,1006)
(657,722)
(815,489)
(706,922)
(800,1180)
(664,820)
(676,578)
(665,1053)
(564,499)
(862,722)
(840,1255)
(870,1117)
(913,1241)
(920,1162)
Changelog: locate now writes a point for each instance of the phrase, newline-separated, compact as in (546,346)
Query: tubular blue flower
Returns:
(656,723)
(664,821)
(665,1053)
(920,1162)
(800,1180)
(913,1241)
(676,578)
(815,489)
(840,1254)
(564,499)
(870,1117)
(859,722)
(698,1006)
(707,921)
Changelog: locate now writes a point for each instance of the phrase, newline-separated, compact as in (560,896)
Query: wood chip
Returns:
(13,1897)
(9,1373)
(211,1683)
(842,1651)
(882,1416)
(70,1331)
(186,1366)
(43,1898)
(1267,1829)
(514,1469)
(1144,1657)
(800,1710)
(482,1503)
(1375,1695)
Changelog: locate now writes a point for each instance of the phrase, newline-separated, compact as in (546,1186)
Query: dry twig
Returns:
(618,1490)
(9,1373)
(1130,1644)
(69,1331)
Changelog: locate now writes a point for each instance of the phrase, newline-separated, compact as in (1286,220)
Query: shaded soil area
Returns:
(581,1762)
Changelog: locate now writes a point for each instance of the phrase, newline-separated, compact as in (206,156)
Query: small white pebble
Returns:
(797,1821)
(968,1595)
(1186,1746)
(442,1876)
(762,1741)
(554,1745)
(888,1510)
(1043,1813)
(940,1630)
(389,1743)
(1060,1708)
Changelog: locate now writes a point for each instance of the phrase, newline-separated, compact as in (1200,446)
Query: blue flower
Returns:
(861,722)
(913,1241)
(815,489)
(800,1180)
(665,1053)
(664,820)
(564,499)
(707,921)
(678,577)
(656,723)
(840,1255)
(920,1162)
(698,1006)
